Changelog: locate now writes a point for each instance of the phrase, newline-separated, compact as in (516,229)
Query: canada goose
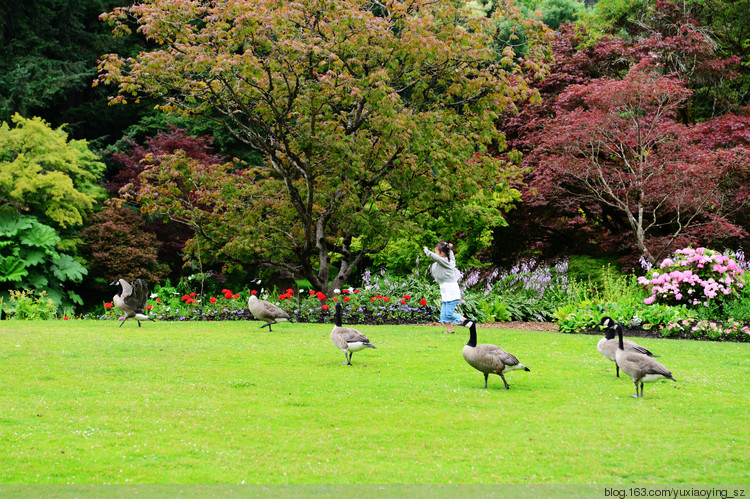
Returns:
(132,300)
(348,339)
(264,311)
(607,346)
(488,358)
(640,367)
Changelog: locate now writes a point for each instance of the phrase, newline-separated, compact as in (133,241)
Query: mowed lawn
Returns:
(226,402)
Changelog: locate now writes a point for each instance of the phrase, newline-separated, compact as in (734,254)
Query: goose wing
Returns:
(351,335)
(635,347)
(137,296)
(273,310)
(491,358)
(654,367)
(127,289)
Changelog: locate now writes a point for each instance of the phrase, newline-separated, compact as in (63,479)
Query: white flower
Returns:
(154,295)
(337,291)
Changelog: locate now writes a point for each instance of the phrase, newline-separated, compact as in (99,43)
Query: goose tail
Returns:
(368,345)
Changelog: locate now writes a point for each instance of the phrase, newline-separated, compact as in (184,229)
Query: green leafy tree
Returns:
(44,174)
(366,113)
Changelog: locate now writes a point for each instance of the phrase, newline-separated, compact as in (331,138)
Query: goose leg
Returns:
(641,389)
(349,360)
(636,390)
(123,321)
(139,323)
(507,387)
(267,324)
(617,368)
(486,375)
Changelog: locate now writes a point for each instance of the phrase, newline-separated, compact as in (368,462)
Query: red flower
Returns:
(423,302)
(108,305)
(253,292)
(149,307)
(372,299)
(324,307)
(189,300)
(379,297)
(158,300)
(386,299)
(356,291)
(192,295)
(225,291)
(185,297)
(290,292)
(345,291)
(335,299)
(346,298)
(66,318)
(321,296)
(312,292)
(235,296)
(403,302)
(212,299)
(407,297)
(228,295)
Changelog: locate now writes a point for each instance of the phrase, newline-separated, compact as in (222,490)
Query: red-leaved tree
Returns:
(617,155)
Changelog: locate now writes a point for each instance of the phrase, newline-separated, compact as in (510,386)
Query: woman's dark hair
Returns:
(445,248)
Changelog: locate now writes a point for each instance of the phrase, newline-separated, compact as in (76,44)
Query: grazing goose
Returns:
(132,300)
(264,311)
(348,339)
(488,358)
(640,367)
(607,346)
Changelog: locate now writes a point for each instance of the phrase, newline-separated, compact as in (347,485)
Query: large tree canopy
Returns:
(618,155)
(44,174)
(367,114)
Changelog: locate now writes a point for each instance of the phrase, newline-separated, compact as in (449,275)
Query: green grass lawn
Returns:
(227,402)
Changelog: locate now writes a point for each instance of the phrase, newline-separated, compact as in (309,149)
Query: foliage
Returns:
(133,158)
(118,247)
(729,330)
(29,259)
(49,57)
(44,174)
(694,277)
(616,152)
(26,305)
(557,12)
(366,120)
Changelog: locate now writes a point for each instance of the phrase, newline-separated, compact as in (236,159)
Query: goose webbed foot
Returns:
(507,386)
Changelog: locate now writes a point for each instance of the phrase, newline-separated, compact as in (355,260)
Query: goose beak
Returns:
(113,283)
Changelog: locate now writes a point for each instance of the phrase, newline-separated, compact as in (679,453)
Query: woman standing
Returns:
(447,275)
